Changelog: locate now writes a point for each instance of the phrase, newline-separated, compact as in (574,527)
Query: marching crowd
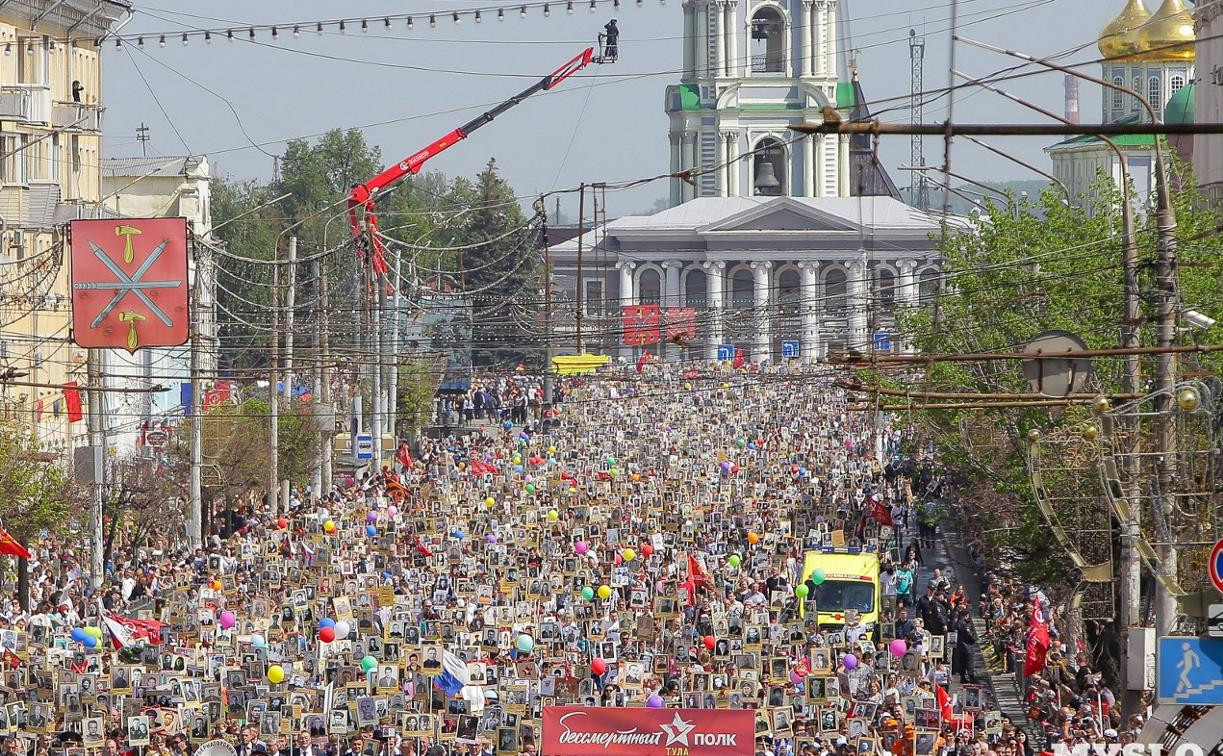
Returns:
(644,550)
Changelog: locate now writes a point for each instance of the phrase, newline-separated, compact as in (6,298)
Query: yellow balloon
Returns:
(629,555)
(329,526)
(276,674)
(605,591)
(552,450)
(553,515)
(572,490)
(490,501)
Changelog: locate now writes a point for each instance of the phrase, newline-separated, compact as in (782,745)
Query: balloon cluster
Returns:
(89,636)
(329,630)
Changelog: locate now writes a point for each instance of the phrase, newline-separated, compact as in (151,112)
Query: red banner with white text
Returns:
(586,731)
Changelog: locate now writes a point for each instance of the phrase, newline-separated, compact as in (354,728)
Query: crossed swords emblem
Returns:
(125,284)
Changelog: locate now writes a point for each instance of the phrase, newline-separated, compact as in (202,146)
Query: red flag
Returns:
(422,549)
(697,572)
(880,512)
(944,703)
(9,545)
(38,410)
(126,632)
(738,363)
(403,456)
(72,398)
(643,359)
(1038,644)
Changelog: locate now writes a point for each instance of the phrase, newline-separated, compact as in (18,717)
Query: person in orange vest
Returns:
(903,744)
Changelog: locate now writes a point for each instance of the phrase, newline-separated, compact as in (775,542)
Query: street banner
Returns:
(129,283)
(641,324)
(644,731)
(681,323)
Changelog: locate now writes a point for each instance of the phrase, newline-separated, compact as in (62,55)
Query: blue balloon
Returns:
(371,530)
(517,468)
(90,641)
(802,471)
(326,622)
(79,635)
(507,425)
(458,534)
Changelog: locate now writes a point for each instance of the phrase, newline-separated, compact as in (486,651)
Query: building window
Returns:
(1153,87)
(768,41)
(834,292)
(592,297)
(649,287)
(886,290)
(1175,84)
(1137,87)
(1118,95)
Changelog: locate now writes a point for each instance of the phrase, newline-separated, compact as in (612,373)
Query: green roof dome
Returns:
(1180,106)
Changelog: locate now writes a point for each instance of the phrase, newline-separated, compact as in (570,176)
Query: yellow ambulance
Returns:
(851,581)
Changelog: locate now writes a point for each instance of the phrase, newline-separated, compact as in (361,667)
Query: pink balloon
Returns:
(228,620)
(898,647)
(581,547)
(392,510)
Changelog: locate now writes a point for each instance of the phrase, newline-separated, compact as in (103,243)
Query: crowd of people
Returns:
(645,548)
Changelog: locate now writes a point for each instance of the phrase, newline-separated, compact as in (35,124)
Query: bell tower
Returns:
(751,70)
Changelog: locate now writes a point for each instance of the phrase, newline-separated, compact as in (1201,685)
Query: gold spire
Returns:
(1169,34)
(1119,38)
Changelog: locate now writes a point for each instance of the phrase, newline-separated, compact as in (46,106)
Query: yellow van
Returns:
(851,581)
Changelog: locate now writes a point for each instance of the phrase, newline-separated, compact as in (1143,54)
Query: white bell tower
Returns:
(752,69)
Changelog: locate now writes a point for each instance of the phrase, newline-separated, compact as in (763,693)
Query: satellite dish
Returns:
(1051,376)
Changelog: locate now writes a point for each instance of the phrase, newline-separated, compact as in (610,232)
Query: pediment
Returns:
(782,214)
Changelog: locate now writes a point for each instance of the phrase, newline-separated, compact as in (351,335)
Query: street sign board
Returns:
(365,446)
(1214,620)
(1215,566)
(726,351)
(129,283)
(883,341)
(789,348)
(1190,671)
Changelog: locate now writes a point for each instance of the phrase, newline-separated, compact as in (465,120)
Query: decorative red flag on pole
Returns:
(739,358)
(72,398)
(1038,644)
(403,456)
(9,545)
(944,703)
(643,359)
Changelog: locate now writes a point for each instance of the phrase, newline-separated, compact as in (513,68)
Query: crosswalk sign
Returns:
(1191,671)
(789,348)
(726,351)
(883,341)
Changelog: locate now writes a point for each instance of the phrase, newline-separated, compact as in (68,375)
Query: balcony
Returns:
(76,116)
(27,103)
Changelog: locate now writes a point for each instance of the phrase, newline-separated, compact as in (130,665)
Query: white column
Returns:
(820,144)
(809,293)
(723,167)
(843,165)
(685,161)
(816,35)
(858,288)
(734,165)
(676,185)
(804,35)
(715,273)
(733,29)
(689,41)
(670,292)
(906,285)
(761,270)
(701,38)
(829,48)
(808,148)
(696,162)
(628,296)
(719,46)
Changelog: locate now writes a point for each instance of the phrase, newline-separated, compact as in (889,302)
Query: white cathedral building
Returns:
(784,244)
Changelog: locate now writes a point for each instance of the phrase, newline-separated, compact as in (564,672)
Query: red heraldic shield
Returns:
(129,283)
(641,324)
(681,323)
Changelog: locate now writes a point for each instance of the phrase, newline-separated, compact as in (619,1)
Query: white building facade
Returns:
(1208,95)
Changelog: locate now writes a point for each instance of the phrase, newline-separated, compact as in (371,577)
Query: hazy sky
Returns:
(608,125)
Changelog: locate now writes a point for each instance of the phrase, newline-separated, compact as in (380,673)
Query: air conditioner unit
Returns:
(17,243)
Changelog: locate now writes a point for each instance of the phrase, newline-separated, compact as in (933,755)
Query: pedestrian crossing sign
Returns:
(1191,671)
(726,351)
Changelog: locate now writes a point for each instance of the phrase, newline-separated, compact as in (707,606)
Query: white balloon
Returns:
(342,629)
(258,641)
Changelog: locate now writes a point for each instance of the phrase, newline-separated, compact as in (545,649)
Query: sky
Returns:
(406,88)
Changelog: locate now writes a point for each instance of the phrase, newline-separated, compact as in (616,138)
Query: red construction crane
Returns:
(364,196)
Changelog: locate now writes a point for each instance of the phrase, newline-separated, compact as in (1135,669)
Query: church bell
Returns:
(766,179)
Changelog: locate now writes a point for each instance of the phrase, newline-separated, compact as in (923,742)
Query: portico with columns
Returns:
(827,272)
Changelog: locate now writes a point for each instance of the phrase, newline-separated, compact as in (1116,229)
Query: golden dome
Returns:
(1169,34)
(1119,38)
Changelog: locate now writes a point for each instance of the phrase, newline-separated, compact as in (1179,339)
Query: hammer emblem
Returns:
(131,318)
(127,232)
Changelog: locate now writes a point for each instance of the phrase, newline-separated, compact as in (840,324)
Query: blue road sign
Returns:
(1191,671)
(726,351)
(883,341)
(789,348)
(365,446)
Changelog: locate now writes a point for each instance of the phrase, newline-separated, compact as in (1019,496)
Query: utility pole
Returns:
(377,339)
(273,493)
(320,372)
(392,368)
(325,369)
(578,281)
(542,209)
(195,520)
(1167,307)
(97,447)
(290,306)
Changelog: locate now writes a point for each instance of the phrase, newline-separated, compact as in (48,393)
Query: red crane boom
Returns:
(363,198)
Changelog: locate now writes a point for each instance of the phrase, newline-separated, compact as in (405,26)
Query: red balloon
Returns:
(734,468)
(326,634)
(597,666)
(710,642)
(647,549)
(282,523)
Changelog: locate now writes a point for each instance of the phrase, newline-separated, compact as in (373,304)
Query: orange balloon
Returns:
(636,477)
(753,538)
(216,585)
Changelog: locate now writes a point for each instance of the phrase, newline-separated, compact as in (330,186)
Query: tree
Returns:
(235,440)
(36,497)
(417,387)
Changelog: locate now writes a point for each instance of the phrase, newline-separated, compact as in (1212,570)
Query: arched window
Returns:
(834,291)
(887,290)
(1153,87)
(768,41)
(1118,95)
(769,168)
(649,287)
(742,289)
(788,293)
(1175,84)
(927,286)
(695,289)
